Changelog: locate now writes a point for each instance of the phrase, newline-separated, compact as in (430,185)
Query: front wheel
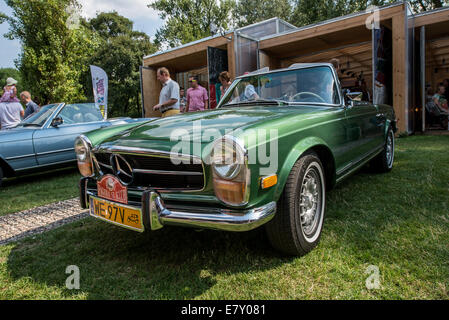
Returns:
(1,176)
(296,227)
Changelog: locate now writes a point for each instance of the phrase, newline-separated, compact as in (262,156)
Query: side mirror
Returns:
(56,122)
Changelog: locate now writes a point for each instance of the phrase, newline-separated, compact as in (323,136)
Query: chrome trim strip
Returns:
(20,157)
(185,173)
(147,152)
(46,165)
(57,151)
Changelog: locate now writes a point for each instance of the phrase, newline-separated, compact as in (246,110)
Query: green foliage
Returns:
(252,11)
(6,73)
(120,55)
(189,20)
(53,55)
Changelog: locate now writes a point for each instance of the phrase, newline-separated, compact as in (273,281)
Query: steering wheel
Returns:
(310,94)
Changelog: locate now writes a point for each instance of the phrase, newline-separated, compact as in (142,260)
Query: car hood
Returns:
(203,126)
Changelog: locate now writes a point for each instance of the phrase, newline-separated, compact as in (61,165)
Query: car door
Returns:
(364,131)
(55,144)
(16,148)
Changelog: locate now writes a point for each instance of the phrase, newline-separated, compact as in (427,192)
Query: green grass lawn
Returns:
(38,189)
(398,222)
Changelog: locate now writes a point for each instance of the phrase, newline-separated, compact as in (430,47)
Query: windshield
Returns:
(315,85)
(38,119)
(80,113)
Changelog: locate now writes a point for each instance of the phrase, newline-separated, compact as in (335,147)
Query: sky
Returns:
(144,18)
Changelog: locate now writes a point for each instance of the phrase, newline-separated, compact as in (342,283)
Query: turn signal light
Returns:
(269,181)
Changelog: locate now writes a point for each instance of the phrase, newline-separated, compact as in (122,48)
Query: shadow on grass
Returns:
(114,263)
(37,176)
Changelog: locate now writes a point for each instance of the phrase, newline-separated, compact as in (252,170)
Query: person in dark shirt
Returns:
(31,107)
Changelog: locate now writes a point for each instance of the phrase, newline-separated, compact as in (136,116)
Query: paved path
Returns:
(19,225)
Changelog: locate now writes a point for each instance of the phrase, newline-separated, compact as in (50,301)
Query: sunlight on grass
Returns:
(38,189)
(398,222)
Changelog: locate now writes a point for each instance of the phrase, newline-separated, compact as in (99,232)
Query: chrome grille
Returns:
(155,171)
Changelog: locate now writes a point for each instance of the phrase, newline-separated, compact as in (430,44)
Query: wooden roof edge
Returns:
(432,16)
(325,23)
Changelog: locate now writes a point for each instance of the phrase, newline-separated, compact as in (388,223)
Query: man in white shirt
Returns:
(11,114)
(169,96)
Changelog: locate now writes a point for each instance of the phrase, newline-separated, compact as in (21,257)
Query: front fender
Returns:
(296,152)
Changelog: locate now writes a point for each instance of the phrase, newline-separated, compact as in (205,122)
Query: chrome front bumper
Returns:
(156,215)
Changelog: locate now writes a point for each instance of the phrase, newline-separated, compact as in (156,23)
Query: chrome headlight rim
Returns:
(235,168)
(87,146)
(83,143)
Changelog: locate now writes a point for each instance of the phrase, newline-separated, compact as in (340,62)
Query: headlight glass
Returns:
(82,151)
(227,159)
(230,172)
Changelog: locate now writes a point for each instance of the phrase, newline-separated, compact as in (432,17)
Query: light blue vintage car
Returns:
(46,138)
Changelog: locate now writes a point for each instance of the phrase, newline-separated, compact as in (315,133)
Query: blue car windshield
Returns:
(39,118)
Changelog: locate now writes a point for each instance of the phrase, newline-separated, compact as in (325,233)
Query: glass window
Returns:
(80,113)
(39,118)
(314,85)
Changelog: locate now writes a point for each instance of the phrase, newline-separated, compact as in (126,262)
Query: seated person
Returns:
(250,92)
(440,100)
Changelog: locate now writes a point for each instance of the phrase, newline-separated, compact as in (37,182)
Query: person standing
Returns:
(197,98)
(183,100)
(31,106)
(11,111)
(169,96)
(10,91)
(225,81)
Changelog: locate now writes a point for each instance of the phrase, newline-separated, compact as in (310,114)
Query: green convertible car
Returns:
(268,153)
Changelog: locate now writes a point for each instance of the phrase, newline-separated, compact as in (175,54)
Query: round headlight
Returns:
(82,151)
(227,158)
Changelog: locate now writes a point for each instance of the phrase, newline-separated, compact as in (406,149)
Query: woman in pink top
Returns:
(10,91)
(197,98)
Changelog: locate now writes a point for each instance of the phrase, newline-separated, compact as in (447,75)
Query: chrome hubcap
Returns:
(390,149)
(310,202)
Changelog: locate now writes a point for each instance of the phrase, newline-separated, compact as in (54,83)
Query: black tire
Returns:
(1,176)
(295,230)
(384,161)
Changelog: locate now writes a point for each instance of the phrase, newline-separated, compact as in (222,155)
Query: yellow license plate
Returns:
(119,214)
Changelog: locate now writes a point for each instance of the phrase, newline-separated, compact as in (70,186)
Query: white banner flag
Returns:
(100,86)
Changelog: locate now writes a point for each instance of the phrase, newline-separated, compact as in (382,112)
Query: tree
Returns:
(247,12)
(54,54)
(189,20)
(120,55)
(426,5)
(311,11)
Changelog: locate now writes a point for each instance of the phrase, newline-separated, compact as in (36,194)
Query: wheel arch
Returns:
(323,152)
(8,171)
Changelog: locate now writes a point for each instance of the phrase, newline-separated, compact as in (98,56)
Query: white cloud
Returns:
(131,9)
